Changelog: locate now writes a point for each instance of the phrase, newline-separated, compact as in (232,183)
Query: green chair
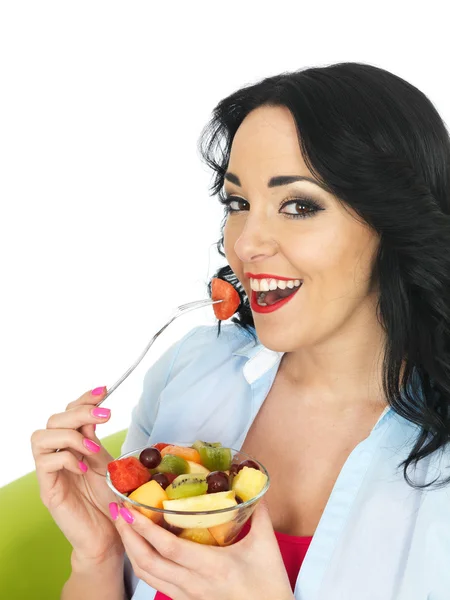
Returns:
(34,554)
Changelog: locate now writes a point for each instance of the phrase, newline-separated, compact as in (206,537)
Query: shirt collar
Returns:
(260,360)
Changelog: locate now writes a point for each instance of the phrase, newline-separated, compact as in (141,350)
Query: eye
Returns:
(300,208)
(295,208)
(234,203)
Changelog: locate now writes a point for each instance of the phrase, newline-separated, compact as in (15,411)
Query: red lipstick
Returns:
(266,276)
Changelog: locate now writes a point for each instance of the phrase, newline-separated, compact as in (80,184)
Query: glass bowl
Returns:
(213,527)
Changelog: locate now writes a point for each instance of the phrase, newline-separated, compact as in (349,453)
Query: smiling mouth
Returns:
(273,296)
(269,293)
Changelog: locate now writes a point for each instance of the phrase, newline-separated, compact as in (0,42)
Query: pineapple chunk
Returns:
(248,483)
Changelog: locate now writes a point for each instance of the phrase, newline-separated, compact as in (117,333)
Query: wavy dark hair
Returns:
(379,145)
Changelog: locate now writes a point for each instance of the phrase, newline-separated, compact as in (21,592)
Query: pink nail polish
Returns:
(90,445)
(126,515)
(114,510)
(82,466)
(101,413)
(98,391)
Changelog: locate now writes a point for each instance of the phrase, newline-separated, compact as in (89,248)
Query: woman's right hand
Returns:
(75,491)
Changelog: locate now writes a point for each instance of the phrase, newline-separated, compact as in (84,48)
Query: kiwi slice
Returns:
(188,485)
(199,444)
(214,458)
(173,464)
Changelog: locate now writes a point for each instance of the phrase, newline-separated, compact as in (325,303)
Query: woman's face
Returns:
(296,234)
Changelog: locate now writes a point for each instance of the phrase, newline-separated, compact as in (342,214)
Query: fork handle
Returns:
(136,363)
(181,310)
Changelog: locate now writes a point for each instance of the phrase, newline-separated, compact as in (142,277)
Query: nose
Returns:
(256,241)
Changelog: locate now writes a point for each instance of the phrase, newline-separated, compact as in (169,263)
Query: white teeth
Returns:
(264,285)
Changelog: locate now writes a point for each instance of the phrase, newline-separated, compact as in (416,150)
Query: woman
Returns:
(336,186)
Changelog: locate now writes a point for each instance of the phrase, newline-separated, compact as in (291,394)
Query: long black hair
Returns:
(379,145)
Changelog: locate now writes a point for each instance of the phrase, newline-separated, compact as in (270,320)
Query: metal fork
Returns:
(181,310)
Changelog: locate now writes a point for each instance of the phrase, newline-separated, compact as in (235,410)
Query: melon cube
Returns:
(150,494)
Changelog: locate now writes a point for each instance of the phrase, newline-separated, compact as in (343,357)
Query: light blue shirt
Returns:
(378,538)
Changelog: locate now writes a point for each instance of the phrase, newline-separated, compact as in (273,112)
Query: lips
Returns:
(267,276)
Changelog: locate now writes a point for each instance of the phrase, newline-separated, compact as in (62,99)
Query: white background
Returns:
(106,221)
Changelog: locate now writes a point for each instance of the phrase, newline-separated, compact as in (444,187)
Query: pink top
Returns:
(293,550)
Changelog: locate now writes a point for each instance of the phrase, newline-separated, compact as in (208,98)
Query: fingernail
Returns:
(126,515)
(82,466)
(90,445)
(98,391)
(101,413)
(114,510)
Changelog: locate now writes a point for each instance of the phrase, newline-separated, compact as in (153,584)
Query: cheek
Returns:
(230,236)
(348,267)
(342,262)
(231,233)
(360,263)
(228,243)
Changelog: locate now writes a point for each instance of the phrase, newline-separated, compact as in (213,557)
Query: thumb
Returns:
(261,521)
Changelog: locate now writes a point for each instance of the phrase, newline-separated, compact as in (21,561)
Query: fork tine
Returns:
(198,304)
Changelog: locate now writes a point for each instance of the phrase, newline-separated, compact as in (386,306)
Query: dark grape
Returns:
(171,477)
(234,469)
(239,500)
(248,463)
(150,457)
(162,479)
(217,482)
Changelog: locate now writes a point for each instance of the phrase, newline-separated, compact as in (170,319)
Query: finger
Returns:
(145,559)
(80,415)
(48,465)
(91,397)
(89,431)
(51,463)
(261,526)
(182,552)
(46,441)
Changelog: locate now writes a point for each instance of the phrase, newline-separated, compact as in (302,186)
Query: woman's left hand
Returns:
(183,570)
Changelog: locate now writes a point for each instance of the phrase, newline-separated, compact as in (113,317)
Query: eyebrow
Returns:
(277,181)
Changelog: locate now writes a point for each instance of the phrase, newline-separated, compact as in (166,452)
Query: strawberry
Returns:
(222,290)
(160,446)
(127,474)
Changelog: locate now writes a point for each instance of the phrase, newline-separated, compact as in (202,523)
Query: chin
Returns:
(278,342)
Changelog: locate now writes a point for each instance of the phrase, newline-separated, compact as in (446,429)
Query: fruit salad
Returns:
(204,492)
